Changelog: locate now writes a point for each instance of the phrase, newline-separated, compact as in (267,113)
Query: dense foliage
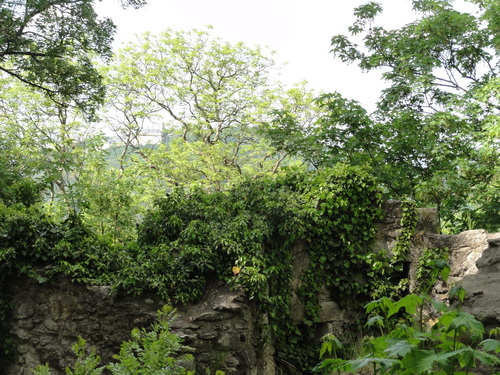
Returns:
(434,134)
(452,342)
(50,46)
(199,164)
(192,235)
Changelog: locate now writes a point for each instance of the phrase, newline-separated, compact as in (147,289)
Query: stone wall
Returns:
(224,328)
(47,318)
(474,258)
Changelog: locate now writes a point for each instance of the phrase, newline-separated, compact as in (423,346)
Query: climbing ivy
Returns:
(34,244)
(408,227)
(244,235)
(431,260)
(386,267)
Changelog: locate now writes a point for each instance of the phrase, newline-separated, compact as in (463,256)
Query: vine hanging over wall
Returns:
(192,235)
(386,268)
(252,229)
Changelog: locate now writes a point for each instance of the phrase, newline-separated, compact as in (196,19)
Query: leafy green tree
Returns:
(50,143)
(110,201)
(292,128)
(432,118)
(55,156)
(434,134)
(15,186)
(50,45)
(208,99)
(433,64)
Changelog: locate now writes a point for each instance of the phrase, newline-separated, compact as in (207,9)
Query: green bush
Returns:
(152,352)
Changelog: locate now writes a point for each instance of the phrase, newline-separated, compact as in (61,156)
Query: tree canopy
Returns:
(50,46)
(208,98)
(219,114)
(434,134)
(436,125)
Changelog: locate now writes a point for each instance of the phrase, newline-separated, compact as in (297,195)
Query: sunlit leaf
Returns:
(409,302)
(399,347)
(378,320)
(491,345)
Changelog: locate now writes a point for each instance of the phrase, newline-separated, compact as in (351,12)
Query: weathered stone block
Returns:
(214,316)
(24,310)
(330,311)
(50,325)
(207,335)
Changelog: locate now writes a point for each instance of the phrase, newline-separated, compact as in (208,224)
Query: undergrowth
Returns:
(153,351)
(404,343)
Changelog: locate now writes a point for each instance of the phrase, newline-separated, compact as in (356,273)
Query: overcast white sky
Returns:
(298,30)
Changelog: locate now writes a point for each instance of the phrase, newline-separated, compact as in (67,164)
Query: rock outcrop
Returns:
(483,286)
(473,256)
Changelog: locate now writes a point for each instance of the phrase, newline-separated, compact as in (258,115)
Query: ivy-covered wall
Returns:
(226,327)
(300,249)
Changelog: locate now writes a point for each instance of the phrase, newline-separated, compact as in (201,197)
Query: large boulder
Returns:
(483,287)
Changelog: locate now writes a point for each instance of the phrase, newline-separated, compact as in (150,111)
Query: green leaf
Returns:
(384,303)
(443,357)
(490,345)
(445,272)
(410,303)
(378,320)
(486,358)
(457,292)
(399,347)
(446,319)
(330,344)
(440,306)
(419,361)
(464,320)
(357,364)
(331,364)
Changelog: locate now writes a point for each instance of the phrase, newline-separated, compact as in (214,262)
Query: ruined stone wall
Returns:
(224,327)
(47,318)
(483,287)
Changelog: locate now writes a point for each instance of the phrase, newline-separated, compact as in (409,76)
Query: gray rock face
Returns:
(47,318)
(483,287)
(468,252)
